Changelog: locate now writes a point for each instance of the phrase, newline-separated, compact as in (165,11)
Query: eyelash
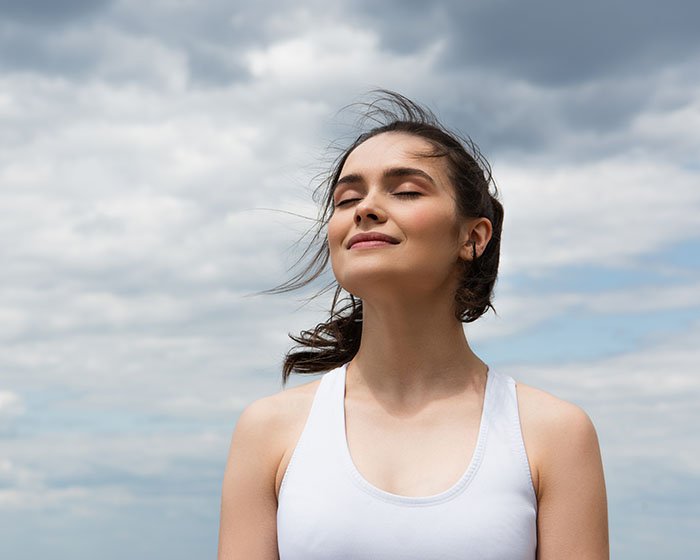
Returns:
(407,194)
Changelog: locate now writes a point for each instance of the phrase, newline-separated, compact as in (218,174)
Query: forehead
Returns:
(391,149)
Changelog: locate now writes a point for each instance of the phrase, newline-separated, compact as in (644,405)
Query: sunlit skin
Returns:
(412,344)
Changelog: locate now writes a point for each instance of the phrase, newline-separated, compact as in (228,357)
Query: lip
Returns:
(372,236)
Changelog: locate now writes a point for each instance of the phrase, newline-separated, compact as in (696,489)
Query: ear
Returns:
(476,235)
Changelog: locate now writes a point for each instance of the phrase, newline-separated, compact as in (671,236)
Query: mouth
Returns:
(371,239)
(370,244)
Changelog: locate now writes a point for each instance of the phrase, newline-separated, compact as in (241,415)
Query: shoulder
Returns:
(273,425)
(265,425)
(269,424)
(556,432)
(274,413)
(544,409)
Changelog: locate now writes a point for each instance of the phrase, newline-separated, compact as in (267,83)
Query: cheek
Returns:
(425,220)
(335,233)
(433,224)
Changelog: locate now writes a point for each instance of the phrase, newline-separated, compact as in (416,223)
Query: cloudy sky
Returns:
(156,166)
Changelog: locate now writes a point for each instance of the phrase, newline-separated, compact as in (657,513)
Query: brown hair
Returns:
(336,341)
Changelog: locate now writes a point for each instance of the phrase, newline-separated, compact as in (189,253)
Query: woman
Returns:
(410,446)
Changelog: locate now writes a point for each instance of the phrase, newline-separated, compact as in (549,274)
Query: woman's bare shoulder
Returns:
(550,425)
(542,406)
(279,419)
(282,408)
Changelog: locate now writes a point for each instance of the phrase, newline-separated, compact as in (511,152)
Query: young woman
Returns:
(409,446)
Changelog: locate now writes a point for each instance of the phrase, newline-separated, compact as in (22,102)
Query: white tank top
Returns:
(328,510)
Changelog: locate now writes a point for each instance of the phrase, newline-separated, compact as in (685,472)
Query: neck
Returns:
(413,354)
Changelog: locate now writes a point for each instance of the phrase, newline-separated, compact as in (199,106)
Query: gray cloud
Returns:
(77,39)
(515,76)
(51,13)
(544,41)
(518,75)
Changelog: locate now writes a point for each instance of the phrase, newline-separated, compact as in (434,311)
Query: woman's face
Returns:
(386,187)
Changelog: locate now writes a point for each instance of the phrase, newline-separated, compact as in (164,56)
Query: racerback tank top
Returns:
(328,510)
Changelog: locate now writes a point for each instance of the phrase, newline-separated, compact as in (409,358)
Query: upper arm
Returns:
(563,448)
(572,521)
(248,522)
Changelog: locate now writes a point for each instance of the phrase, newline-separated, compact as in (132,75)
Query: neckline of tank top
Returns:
(433,499)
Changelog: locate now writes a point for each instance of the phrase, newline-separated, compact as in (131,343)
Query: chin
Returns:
(362,280)
(411,282)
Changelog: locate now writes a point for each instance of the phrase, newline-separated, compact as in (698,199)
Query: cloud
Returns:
(87,472)
(544,41)
(11,405)
(46,12)
(612,212)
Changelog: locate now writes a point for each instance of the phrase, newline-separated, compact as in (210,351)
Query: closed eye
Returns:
(346,201)
(405,194)
(409,194)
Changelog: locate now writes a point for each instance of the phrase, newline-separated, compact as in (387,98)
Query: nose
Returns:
(368,210)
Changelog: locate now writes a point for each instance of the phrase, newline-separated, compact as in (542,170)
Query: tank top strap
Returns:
(505,420)
(319,438)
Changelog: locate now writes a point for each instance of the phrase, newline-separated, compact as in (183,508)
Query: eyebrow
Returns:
(392,173)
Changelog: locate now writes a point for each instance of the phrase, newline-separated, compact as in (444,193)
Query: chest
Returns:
(326,511)
(417,454)
(374,482)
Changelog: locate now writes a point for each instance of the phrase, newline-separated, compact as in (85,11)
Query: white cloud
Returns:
(602,213)
(11,404)
(645,299)
(77,474)
(520,312)
(332,55)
